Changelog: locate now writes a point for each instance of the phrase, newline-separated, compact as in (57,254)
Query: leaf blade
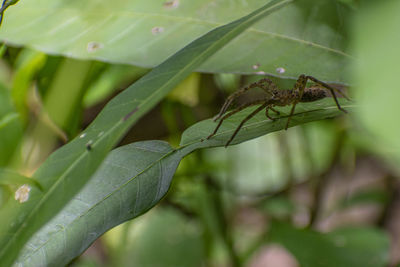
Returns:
(132,179)
(285,40)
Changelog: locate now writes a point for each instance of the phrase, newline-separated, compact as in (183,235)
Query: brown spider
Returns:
(276,97)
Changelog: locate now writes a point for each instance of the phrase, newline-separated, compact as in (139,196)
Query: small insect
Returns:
(89,146)
(277,97)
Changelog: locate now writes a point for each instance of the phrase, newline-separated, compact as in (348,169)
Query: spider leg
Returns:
(234,112)
(290,115)
(297,89)
(244,121)
(332,89)
(274,110)
(266,84)
(231,98)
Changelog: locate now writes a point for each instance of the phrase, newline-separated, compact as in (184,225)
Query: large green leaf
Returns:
(356,247)
(67,170)
(135,177)
(131,180)
(144,33)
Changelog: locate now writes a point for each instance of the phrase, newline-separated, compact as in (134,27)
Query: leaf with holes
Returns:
(144,33)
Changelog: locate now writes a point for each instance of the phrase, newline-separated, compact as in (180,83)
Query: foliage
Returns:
(292,36)
(87,187)
(374,74)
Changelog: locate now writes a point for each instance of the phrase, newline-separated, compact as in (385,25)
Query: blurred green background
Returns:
(337,180)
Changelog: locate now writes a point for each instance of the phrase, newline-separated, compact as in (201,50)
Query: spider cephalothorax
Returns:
(276,97)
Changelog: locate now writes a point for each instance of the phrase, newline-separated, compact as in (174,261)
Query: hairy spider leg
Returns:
(246,119)
(265,84)
(332,89)
(274,110)
(240,108)
(299,86)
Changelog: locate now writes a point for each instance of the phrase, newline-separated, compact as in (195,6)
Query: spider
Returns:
(276,97)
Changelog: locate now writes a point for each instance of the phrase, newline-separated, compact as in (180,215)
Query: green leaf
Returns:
(376,77)
(144,33)
(28,63)
(363,247)
(133,179)
(377,196)
(260,125)
(109,81)
(67,170)
(65,90)
(9,177)
(10,127)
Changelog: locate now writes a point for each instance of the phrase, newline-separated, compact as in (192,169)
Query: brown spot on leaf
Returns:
(127,116)
(171,4)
